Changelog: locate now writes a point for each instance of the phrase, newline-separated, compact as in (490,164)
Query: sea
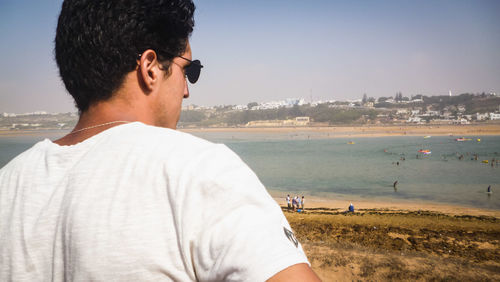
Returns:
(320,165)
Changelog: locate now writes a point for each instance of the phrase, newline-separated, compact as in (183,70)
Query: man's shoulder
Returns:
(166,136)
(166,142)
(24,158)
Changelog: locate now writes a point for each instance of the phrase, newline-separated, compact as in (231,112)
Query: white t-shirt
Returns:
(139,203)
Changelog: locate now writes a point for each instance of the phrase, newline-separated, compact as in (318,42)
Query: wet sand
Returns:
(387,205)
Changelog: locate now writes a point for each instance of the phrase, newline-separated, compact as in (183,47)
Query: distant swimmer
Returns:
(395,185)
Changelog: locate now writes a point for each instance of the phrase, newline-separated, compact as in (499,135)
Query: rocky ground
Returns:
(378,244)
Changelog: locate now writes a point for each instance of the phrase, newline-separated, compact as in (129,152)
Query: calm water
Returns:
(300,163)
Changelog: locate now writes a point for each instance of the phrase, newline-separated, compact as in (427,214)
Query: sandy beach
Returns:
(391,205)
(369,130)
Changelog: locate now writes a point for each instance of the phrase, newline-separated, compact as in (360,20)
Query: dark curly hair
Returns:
(98,41)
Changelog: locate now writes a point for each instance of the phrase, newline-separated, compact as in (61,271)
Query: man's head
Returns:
(99,41)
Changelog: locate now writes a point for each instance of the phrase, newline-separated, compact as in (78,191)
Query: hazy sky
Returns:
(267,50)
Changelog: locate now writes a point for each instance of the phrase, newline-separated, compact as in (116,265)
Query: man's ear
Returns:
(149,70)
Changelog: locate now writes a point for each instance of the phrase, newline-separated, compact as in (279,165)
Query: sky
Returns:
(264,50)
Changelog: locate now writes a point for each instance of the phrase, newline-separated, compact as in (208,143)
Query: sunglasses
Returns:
(192,70)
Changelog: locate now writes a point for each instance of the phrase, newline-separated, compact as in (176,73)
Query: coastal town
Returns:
(297,112)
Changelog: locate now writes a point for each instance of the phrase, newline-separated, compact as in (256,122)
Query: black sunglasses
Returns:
(192,70)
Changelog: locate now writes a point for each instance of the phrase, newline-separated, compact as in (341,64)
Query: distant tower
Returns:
(450,93)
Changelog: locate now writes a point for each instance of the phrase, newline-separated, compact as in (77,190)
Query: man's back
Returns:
(138,202)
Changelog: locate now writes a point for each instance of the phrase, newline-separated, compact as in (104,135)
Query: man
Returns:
(288,201)
(124,196)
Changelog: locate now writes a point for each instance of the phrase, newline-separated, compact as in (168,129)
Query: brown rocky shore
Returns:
(377,244)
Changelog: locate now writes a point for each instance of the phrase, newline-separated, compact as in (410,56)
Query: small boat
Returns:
(425,152)
(485,161)
(428,136)
(351,143)
(462,139)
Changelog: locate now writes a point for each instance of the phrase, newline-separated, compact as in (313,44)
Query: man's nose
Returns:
(186,89)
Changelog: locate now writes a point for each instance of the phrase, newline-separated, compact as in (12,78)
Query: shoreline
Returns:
(386,205)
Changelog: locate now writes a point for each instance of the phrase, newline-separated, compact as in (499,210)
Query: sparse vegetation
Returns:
(384,245)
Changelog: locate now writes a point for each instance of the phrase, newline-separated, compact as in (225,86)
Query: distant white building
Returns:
(447,114)
(415,112)
(302,120)
(461,121)
(414,120)
(480,116)
(189,107)
(432,113)
(240,107)
(495,116)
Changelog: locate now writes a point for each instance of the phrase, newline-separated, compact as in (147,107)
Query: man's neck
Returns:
(98,118)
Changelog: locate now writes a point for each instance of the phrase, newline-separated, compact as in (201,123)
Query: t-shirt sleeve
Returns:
(242,234)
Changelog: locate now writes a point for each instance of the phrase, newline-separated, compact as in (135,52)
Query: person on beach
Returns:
(489,189)
(294,202)
(124,196)
(351,207)
(302,203)
(288,201)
